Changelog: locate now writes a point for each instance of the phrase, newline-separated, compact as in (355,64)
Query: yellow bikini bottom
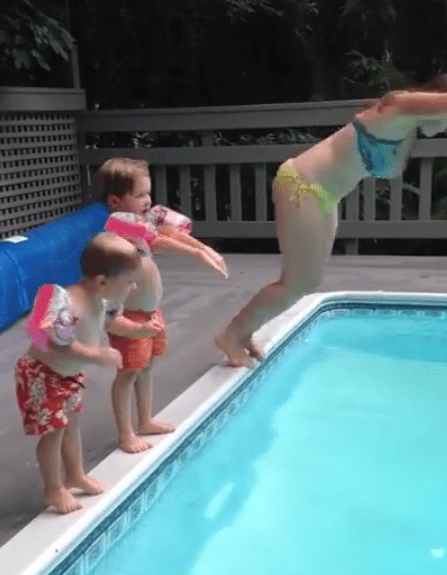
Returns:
(289,177)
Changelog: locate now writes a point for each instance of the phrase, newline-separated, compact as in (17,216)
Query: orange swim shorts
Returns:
(137,352)
(45,397)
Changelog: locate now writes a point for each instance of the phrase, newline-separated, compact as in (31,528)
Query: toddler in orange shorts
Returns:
(137,353)
(139,334)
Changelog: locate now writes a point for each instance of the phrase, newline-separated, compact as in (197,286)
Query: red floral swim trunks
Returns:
(45,397)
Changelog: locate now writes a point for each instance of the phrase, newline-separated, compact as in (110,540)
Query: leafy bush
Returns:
(31,42)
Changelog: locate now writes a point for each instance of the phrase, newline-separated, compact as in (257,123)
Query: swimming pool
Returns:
(329,458)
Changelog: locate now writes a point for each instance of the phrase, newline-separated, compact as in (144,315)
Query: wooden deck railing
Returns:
(209,172)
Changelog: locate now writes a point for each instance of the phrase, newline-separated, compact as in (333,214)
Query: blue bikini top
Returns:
(378,155)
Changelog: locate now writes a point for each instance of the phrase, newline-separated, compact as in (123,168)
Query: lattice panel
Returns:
(39,169)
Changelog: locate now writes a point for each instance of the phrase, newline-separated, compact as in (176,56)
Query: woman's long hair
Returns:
(437,84)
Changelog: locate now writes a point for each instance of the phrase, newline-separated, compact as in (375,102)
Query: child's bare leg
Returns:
(72,458)
(147,425)
(50,465)
(121,402)
(305,236)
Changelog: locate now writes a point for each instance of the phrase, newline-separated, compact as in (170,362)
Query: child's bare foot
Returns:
(133,444)
(61,500)
(88,485)
(234,349)
(155,427)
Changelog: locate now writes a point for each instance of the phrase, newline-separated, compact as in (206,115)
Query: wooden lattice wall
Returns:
(39,169)
(39,164)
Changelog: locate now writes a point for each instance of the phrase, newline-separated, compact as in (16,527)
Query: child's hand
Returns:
(151,328)
(218,259)
(207,258)
(110,356)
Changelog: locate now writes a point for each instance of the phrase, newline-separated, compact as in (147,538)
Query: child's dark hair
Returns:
(116,176)
(108,255)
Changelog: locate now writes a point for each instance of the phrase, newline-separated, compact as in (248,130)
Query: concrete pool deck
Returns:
(197,303)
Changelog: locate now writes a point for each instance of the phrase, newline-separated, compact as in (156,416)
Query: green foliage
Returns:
(29,40)
(167,53)
(240,10)
(383,9)
(263,137)
(381,75)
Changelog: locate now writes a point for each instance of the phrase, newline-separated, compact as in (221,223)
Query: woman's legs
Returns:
(305,236)
(49,459)
(72,458)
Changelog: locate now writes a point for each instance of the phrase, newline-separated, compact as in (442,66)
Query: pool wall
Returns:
(73,544)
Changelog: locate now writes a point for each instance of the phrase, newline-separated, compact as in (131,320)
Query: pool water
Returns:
(337,464)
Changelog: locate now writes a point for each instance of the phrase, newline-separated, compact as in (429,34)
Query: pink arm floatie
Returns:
(51,318)
(131,227)
(162,216)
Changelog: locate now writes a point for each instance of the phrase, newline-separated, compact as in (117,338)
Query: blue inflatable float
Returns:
(49,254)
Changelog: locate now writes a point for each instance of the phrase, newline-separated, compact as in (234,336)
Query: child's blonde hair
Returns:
(116,176)
(109,255)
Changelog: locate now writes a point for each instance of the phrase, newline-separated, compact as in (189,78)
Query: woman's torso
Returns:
(336,162)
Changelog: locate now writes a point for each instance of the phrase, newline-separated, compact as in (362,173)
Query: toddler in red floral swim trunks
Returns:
(67,330)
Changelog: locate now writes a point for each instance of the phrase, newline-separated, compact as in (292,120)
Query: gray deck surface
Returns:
(197,304)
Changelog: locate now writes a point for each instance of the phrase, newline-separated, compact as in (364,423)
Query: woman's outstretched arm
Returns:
(425,105)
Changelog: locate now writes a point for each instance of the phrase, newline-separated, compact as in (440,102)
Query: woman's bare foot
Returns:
(61,500)
(234,349)
(132,444)
(254,350)
(155,427)
(88,485)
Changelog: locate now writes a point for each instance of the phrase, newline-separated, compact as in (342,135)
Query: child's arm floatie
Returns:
(134,228)
(52,319)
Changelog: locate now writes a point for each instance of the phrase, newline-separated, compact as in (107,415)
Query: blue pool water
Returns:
(335,465)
